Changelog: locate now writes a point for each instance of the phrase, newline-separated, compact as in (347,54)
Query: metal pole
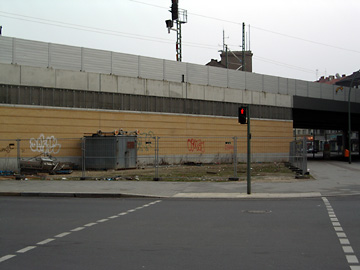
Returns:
(243,48)
(18,155)
(248,152)
(227,59)
(235,177)
(83,174)
(156,178)
(349,112)
(349,118)
(178,41)
(235,157)
(304,157)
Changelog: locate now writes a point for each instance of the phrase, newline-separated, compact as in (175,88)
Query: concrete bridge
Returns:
(45,75)
(26,63)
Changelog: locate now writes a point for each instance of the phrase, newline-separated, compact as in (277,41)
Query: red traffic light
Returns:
(242,115)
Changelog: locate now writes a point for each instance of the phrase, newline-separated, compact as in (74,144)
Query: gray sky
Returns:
(289,38)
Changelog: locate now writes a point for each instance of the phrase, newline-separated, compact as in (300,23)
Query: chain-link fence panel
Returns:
(9,151)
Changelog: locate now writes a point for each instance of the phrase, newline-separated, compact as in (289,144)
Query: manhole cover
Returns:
(257,211)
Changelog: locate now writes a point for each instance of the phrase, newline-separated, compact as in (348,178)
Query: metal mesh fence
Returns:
(150,157)
(8,156)
(220,158)
(30,154)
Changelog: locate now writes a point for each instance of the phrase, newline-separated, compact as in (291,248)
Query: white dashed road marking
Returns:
(46,241)
(4,258)
(344,241)
(90,224)
(62,234)
(102,220)
(78,229)
(26,249)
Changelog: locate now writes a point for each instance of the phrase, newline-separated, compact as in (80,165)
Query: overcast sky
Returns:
(289,38)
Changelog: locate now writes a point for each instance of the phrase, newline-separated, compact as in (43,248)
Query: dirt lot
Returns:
(264,172)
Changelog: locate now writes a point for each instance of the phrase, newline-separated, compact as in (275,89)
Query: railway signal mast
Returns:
(180,17)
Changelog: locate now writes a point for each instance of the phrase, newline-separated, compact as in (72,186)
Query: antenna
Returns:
(224,44)
(249,38)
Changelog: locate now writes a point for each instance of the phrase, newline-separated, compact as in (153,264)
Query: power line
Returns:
(258,28)
(303,39)
(76,26)
(274,62)
(135,36)
(100,30)
(191,13)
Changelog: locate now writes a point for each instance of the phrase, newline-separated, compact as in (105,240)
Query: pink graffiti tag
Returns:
(196,145)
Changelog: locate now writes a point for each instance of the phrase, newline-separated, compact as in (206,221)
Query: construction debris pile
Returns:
(45,164)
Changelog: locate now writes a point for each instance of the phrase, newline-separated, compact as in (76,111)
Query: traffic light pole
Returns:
(248,152)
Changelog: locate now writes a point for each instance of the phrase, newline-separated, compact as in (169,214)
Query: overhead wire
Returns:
(126,35)
(99,30)
(162,40)
(257,28)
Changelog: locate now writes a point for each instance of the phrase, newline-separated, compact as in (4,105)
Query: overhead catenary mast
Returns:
(180,17)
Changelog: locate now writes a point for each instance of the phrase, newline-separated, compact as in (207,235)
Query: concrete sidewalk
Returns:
(332,178)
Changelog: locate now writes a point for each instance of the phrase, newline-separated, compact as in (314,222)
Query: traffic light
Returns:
(242,115)
(174,10)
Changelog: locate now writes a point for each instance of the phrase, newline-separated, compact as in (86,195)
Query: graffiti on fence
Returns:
(8,148)
(229,146)
(146,141)
(196,145)
(48,145)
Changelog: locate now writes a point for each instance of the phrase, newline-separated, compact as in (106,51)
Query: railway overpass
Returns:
(55,78)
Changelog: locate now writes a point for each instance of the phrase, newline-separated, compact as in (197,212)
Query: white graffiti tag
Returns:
(48,145)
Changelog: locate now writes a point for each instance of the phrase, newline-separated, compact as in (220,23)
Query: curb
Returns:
(176,196)
(76,195)
(246,196)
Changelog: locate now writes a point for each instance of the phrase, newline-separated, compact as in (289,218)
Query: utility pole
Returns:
(223,40)
(243,47)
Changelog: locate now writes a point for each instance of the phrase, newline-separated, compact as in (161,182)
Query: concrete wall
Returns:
(62,57)
(67,79)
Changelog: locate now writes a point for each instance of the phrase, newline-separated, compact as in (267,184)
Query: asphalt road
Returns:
(79,233)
